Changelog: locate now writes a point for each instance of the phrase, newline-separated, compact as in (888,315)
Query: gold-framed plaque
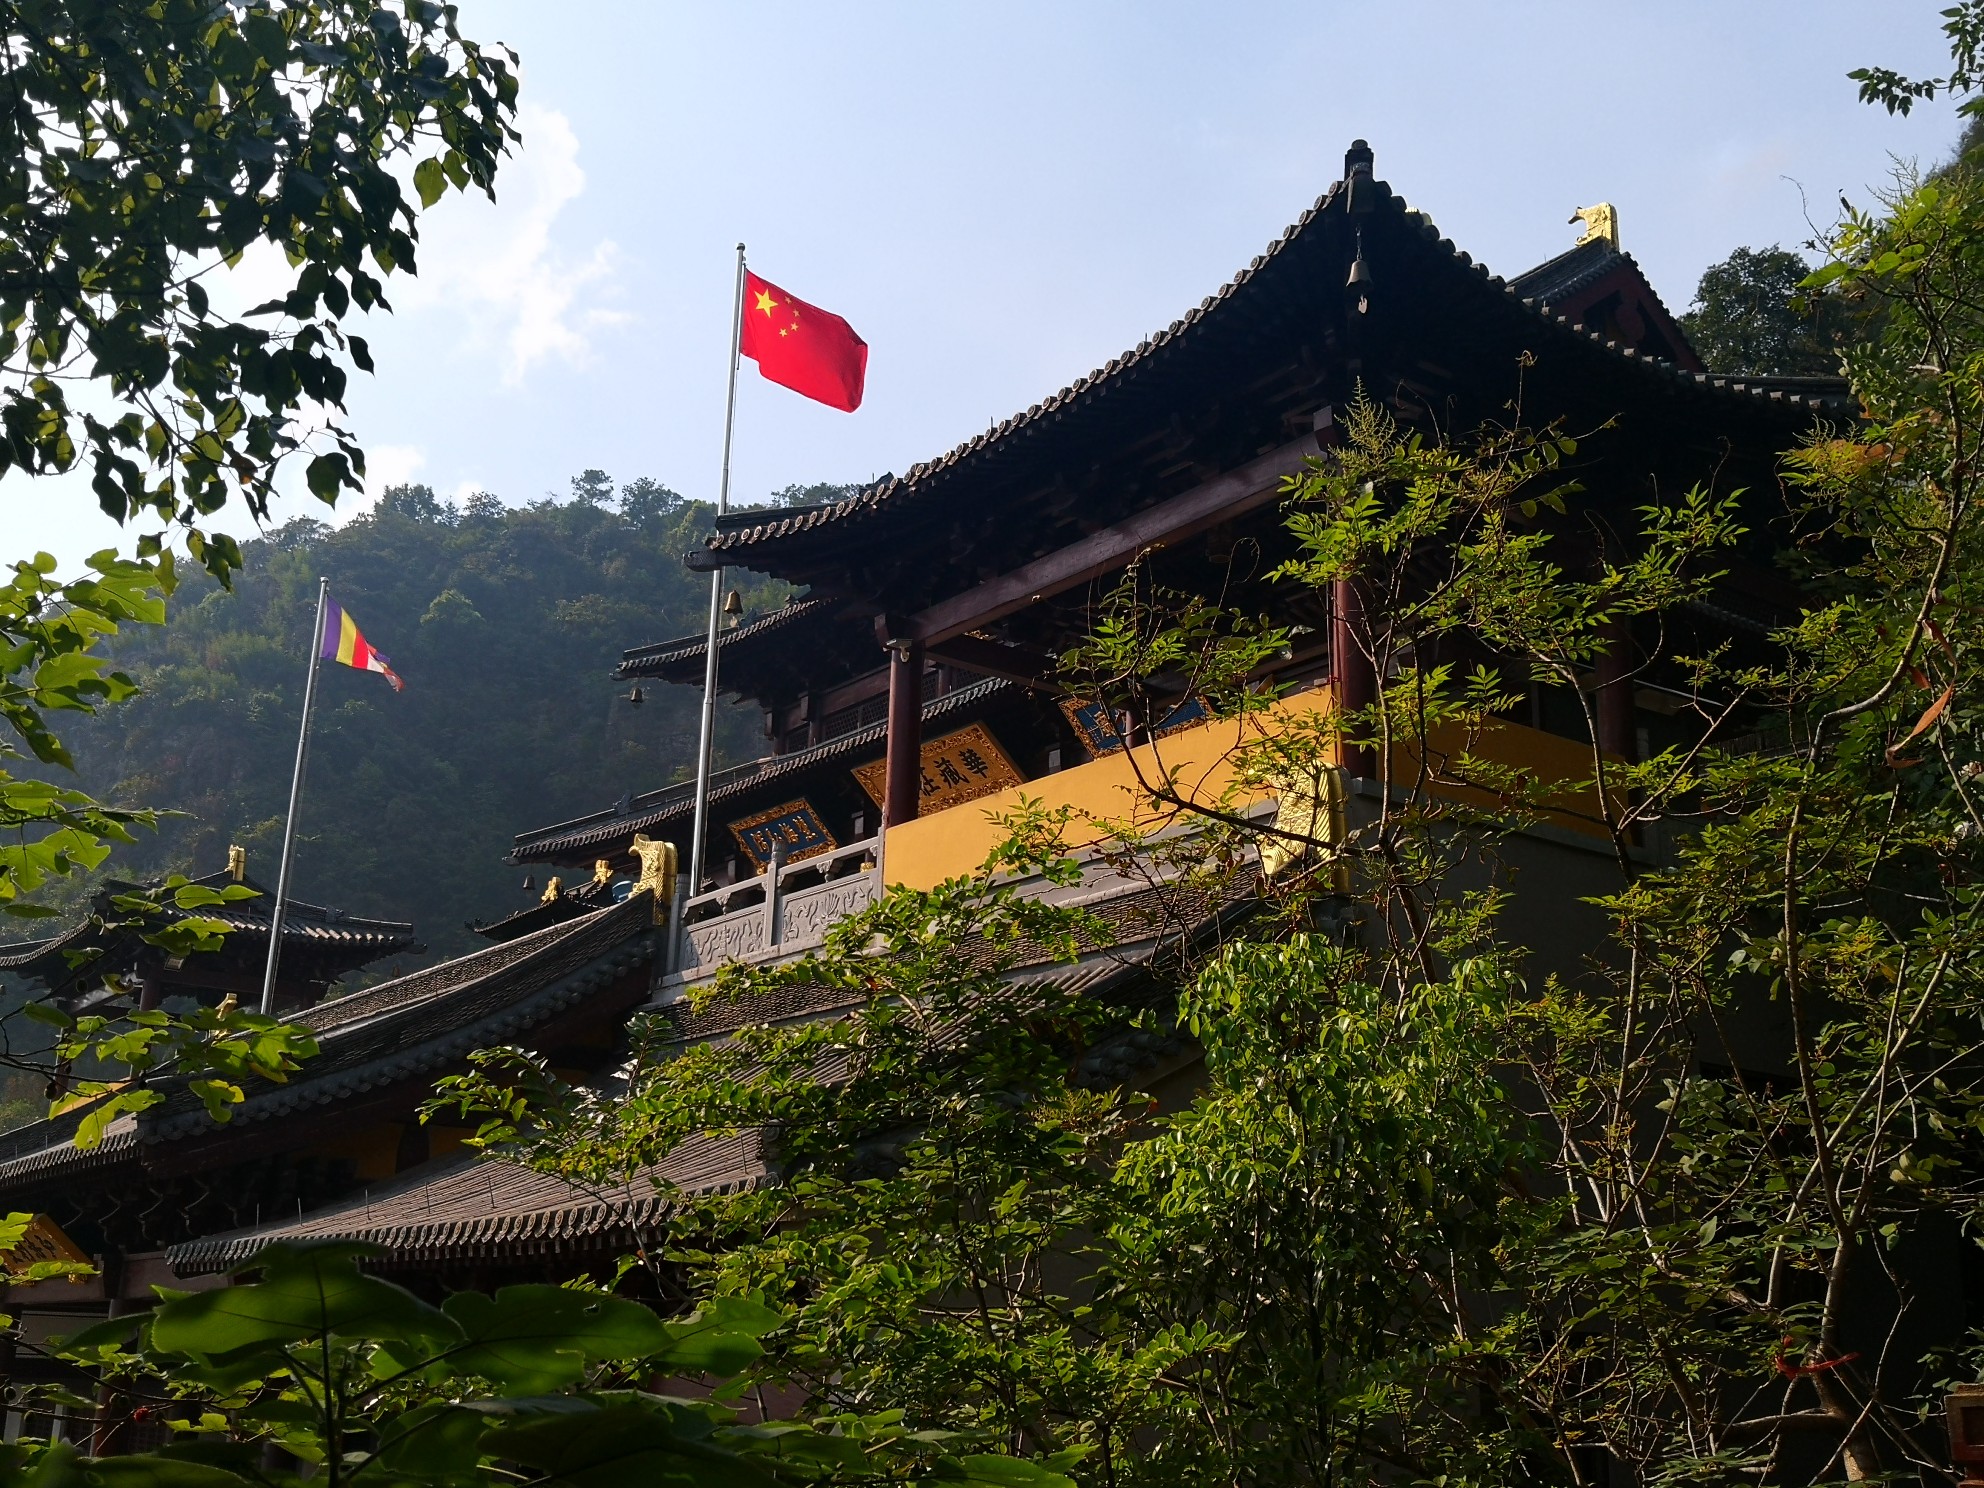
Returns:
(956,767)
(42,1242)
(795,825)
(1101,733)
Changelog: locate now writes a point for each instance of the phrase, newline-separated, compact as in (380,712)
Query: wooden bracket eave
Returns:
(1021,664)
(1183,516)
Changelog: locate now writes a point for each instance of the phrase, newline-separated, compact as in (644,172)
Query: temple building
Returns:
(911,692)
(104,962)
(912,687)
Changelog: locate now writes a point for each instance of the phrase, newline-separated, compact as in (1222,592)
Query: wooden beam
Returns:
(1019,664)
(1253,485)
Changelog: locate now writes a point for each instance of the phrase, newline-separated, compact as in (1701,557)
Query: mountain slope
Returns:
(505,623)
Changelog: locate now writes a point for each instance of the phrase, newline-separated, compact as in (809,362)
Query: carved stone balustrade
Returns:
(784,911)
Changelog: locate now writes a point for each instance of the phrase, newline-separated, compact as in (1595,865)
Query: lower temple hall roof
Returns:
(399,1033)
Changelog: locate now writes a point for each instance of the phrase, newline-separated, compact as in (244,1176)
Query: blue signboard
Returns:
(796,826)
(1101,732)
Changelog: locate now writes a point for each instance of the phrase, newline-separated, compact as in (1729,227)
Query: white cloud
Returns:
(392,465)
(521,292)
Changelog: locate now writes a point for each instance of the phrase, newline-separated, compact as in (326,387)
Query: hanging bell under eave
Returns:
(634,698)
(733,610)
(1360,282)
(1358,285)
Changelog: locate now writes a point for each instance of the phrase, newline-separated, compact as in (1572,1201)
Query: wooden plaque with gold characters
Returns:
(796,825)
(957,767)
(1099,731)
(43,1241)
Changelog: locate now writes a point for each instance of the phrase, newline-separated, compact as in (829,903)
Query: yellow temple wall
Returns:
(1199,760)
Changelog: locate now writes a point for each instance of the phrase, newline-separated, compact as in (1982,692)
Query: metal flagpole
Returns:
(699,839)
(295,794)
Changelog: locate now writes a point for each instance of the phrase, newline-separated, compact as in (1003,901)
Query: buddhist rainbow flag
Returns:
(342,642)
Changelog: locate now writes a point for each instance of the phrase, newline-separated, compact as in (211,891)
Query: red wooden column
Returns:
(1616,733)
(904,791)
(1350,670)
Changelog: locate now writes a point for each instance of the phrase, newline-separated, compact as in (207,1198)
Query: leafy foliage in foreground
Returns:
(145,150)
(983,1228)
(350,1379)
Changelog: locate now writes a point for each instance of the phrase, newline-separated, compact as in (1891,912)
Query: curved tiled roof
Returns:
(729,544)
(654,660)
(646,812)
(1567,273)
(410,1027)
(303,925)
(416,1025)
(462,1208)
(43,1149)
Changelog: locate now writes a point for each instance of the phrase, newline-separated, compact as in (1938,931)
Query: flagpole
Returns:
(295,795)
(699,838)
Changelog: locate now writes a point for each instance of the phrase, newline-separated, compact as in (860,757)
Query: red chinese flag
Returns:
(800,346)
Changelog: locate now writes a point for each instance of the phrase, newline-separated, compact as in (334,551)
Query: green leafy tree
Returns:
(148,148)
(506,623)
(977,1159)
(980,1228)
(349,1380)
(1751,315)
(145,150)
(646,500)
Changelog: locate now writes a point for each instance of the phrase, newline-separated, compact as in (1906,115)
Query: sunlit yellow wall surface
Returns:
(1199,762)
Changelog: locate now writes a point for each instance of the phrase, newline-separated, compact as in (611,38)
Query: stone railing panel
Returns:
(806,915)
(739,936)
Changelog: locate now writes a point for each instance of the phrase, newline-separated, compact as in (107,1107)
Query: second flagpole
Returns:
(699,836)
(295,797)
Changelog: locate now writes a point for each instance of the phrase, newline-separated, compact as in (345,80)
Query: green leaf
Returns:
(721,1337)
(621,1445)
(110,1331)
(306,1292)
(1002,1472)
(439,1440)
(62,1468)
(531,1339)
(430,179)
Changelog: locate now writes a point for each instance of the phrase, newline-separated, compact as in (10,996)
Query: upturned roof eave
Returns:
(778,547)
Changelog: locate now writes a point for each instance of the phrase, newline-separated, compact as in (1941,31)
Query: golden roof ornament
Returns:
(657,871)
(602,871)
(1309,812)
(551,887)
(1601,221)
(237,862)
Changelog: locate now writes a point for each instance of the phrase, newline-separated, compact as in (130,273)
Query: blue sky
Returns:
(1001,198)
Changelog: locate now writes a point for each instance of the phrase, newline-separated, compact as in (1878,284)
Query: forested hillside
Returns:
(504,622)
